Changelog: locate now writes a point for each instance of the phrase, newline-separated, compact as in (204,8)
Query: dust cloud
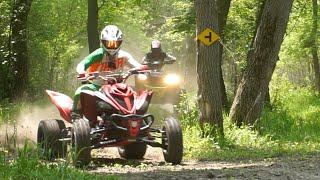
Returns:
(24,129)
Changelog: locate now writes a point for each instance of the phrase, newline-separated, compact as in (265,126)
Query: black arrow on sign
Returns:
(208,37)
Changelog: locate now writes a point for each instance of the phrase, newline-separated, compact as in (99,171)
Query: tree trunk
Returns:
(257,23)
(314,48)
(19,47)
(248,103)
(223,10)
(208,69)
(92,25)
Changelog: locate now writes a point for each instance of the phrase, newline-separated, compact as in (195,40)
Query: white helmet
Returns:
(155,44)
(111,39)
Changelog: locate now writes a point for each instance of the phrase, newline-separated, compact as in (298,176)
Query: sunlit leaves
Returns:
(295,57)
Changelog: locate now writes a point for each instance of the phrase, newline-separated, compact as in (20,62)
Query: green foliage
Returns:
(188,113)
(290,127)
(26,165)
(295,56)
(5,65)
(54,42)
(57,41)
(295,116)
(8,111)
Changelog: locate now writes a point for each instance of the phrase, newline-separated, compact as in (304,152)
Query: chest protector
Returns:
(108,63)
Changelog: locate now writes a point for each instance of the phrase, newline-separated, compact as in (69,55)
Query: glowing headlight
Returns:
(171,79)
(142,77)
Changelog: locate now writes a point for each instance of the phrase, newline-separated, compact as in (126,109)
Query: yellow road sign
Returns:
(208,37)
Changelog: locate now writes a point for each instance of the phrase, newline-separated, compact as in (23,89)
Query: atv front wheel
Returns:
(81,143)
(172,141)
(49,133)
(134,150)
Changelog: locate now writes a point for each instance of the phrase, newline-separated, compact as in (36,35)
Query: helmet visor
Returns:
(113,44)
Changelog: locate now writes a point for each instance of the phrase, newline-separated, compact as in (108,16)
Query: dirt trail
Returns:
(153,167)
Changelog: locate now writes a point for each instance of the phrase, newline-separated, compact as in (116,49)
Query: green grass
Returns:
(295,118)
(8,110)
(291,127)
(26,165)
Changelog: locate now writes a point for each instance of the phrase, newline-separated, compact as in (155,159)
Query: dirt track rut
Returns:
(107,161)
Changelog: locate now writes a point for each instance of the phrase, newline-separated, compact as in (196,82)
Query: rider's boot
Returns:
(75,110)
(75,114)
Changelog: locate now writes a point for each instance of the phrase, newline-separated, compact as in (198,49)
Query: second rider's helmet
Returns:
(156,46)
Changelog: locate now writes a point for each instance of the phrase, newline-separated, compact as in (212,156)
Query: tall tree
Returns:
(18,46)
(223,10)
(208,68)
(92,25)
(258,19)
(314,47)
(248,102)
(5,66)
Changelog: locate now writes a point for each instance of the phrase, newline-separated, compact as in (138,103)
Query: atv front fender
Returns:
(63,104)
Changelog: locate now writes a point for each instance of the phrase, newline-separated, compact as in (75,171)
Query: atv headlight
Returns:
(142,77)
(172,79)
(134,124)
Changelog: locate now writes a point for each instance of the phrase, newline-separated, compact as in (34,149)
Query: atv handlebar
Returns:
(109,77)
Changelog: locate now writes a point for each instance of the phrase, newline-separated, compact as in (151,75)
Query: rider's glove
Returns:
(81,75)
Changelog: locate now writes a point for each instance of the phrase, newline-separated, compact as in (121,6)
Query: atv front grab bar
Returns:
(148,118)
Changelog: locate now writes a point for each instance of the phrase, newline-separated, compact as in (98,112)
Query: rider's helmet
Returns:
(111,39)
(156,46)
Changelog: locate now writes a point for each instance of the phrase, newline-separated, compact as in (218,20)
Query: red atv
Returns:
(115,116)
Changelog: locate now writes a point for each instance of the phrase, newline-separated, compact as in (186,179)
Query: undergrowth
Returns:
(9,111)
(290,127)
(25,164)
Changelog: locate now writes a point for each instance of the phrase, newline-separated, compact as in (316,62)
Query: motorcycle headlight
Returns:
(142,77)
(172,79)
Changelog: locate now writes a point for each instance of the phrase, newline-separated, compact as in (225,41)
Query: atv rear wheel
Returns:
(81,143)
(172,141)
(49,133)
(134,150)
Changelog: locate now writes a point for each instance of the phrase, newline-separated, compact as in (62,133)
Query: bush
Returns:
(290,127)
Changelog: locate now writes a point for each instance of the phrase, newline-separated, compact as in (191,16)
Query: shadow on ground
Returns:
(282,168)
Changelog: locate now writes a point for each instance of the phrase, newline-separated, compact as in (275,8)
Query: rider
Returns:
(156,54)
(107,58)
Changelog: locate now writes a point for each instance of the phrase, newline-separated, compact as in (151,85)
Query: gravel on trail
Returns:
(107,161)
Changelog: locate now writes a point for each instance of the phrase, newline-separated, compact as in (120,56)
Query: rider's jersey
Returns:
(100,61)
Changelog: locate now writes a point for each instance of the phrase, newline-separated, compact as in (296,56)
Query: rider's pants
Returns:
(76,98)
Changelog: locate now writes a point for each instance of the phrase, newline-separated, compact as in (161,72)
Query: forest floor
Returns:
(107,161)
